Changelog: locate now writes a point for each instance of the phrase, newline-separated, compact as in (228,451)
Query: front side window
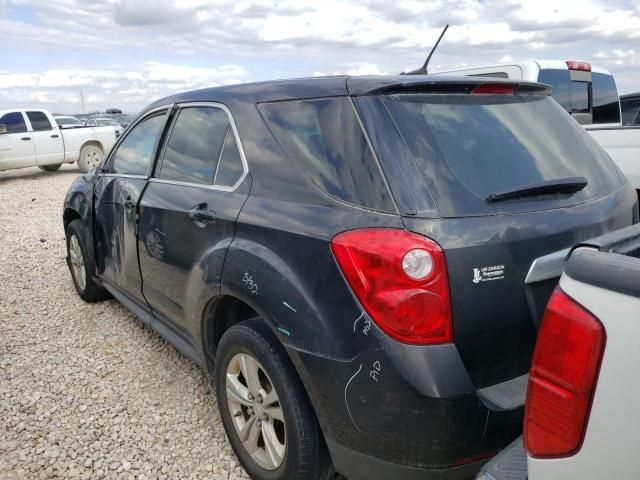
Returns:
(325,138)
(202,149)
(14,121)
(137,148)
(39,121)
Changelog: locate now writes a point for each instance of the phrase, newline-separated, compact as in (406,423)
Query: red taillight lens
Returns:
(494,89)
(575,65)
(563,378)
(400,278)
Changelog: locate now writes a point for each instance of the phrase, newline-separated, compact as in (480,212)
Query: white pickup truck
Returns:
(32,138)
(582,419)
(589,93)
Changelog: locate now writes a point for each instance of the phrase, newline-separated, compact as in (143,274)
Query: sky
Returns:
(127,53)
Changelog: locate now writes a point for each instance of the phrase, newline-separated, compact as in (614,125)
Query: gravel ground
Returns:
(87,391)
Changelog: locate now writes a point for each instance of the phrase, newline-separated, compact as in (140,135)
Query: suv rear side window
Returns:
(325,138)
(194,146)
(471,146)
(39,121)
(14,121)
(137,148)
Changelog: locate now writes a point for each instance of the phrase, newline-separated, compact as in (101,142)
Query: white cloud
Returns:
(134,89)
(132,51)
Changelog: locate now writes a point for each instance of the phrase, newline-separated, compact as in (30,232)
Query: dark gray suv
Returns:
(360,262)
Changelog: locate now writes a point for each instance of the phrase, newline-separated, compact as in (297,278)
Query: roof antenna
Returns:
(423,69)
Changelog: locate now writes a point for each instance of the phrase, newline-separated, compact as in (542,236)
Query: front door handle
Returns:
(25,139)
(55,136)
(201,215)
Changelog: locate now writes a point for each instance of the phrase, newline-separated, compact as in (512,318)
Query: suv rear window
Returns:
(325,138)
(470,146)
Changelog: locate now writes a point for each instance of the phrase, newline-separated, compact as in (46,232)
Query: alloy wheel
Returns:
(256,411)
(77,262)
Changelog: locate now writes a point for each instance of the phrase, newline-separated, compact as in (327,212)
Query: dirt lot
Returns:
(86,391)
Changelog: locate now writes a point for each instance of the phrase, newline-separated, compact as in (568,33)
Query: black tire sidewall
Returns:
(255,338)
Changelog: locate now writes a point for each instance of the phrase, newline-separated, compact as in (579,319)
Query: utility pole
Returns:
(82,100)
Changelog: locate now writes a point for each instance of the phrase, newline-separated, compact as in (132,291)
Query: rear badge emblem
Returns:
(488,274)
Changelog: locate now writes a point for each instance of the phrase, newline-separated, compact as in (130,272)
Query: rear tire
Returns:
(50,168)
(90,157)
(283,439)
(81,264)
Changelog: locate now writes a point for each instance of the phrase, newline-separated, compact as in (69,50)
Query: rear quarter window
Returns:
(324,137)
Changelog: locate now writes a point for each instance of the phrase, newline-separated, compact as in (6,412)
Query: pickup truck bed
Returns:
(603,276)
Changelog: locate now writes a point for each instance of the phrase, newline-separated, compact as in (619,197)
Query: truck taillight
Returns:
(401,280)
(563,378)
(575,65)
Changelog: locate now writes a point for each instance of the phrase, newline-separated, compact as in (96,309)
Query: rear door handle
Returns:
(55,136)
(201,215)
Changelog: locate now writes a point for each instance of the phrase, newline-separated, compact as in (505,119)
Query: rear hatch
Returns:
(511,180)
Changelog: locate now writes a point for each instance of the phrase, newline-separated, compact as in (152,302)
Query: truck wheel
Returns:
(50,168)
(264,407)
(90,156)
(81,264)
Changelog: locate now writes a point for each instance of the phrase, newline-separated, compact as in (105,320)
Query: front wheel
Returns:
(90,157)
(50,168)
(264,408)
(81,264)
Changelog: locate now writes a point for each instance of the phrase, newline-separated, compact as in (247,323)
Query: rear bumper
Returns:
(398,411)
(356,465)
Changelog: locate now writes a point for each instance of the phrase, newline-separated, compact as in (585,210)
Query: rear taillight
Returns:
(575,65)
(494,89)
(563,378)
(400,278)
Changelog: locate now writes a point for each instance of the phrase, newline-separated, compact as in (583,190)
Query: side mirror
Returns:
(3,128)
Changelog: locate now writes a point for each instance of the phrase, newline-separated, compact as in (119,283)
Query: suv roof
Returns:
(316,87)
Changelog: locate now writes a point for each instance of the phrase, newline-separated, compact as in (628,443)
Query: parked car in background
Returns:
(630,105)
(582,412)
(102,122)
(360,262)
(68,121)
(589,93)
(32,137)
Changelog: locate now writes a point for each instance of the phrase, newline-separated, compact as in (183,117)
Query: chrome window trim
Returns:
(109,159)
(234,128)
(123,175)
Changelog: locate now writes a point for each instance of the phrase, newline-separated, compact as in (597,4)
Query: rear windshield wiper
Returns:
(562,185)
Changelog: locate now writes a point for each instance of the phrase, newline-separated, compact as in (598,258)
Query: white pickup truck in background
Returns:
(589,93)
(581,414)
(32,138)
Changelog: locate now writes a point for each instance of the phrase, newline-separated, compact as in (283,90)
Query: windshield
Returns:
(472,146)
